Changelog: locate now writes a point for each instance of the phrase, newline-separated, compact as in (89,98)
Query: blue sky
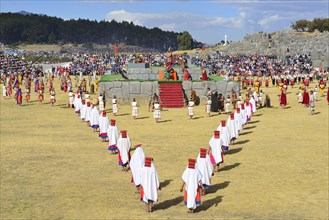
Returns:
(207,21)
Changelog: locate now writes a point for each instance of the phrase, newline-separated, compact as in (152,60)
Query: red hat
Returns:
(238,110)
(191,163)
(88,104)
(223,123)
(216,134)
(242,106)
(148,161)
(232,116)
(203,152)
(104,113)
(83,102)
(112,122)
(124,134)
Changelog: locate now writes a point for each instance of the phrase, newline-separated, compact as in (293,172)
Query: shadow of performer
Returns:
(168,203)
(165,183)
(229,167)
(218,186)
(233,151)
(209,203)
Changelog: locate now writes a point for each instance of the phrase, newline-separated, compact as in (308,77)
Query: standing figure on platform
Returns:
(191,186)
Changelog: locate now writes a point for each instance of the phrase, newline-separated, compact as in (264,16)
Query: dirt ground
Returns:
(55,167)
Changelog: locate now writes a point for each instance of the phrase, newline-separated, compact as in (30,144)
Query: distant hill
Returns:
(32,28)
(24,12)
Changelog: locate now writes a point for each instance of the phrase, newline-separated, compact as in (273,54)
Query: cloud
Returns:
(264,22)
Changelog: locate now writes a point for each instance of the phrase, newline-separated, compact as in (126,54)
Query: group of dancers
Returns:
(196,177)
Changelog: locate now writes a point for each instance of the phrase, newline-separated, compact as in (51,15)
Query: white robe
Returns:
(232,128)
(88,113)
(94,116)
(248,110)
(113,134)
(239,121)
(191,178)
(205,167)
(224,135)
(83,111)
(124,145)
(253,103)
(244,116)
(77,103)
(216,149)
(136,165)
(103,124)
(150,183)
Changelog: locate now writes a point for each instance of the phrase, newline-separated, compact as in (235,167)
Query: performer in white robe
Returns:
(203,164)
(103,125)
(88,113)
(216,151)
(94,118)
(232,128)
(224,134)
(77,103)
(124,145)
(83,110)
(248,110)
(208,106)
(149,184)
(134,111)
(71,99)
(243,114)
(136,164)
(101,103)
(115,105)
(156,112)
(238,119)
(253,104)
(191,185)
(113,134)
(190,108)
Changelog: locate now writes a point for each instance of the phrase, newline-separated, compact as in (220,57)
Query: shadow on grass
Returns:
(229,167)
(165,183)
(287,107)
(143,117)
(195,118)
(233,151)
(253,122)
(241,142)
(164,121)
(316,113)
(244,133)
(218,186)
(257,115)
(247,128)
(122,114)
(168,203)
(208,204)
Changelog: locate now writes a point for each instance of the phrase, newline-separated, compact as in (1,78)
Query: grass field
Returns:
(53,166)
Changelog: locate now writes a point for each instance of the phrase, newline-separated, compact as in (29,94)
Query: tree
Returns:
(185,41)
(300,25)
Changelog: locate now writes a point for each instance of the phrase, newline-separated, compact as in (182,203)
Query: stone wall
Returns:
(282,43)
(125,91)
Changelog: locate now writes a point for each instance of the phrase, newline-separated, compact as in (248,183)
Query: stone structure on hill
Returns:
(282,43)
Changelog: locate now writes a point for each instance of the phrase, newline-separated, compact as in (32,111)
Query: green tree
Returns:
(185,41)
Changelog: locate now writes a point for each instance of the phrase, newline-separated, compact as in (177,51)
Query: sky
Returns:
(207,21)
